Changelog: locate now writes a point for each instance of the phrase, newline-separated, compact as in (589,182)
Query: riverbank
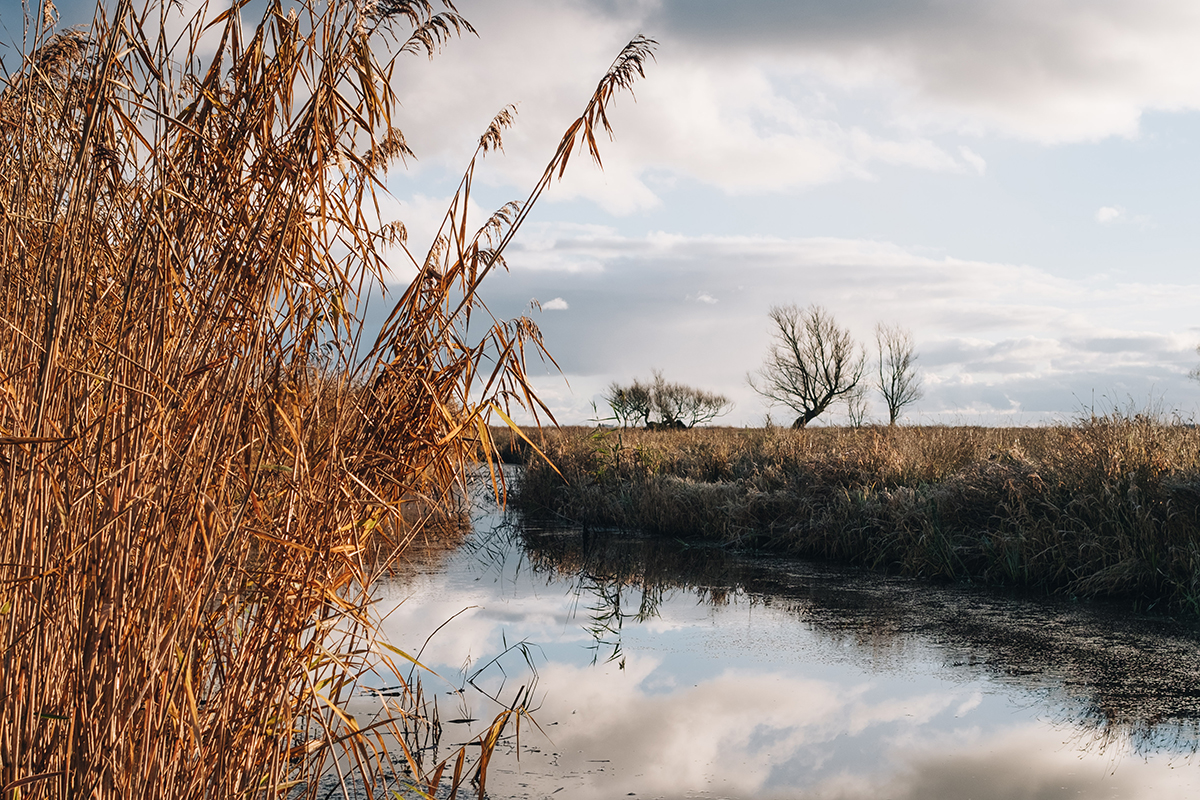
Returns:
(1108,507)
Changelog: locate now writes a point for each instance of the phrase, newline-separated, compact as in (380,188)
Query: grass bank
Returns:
(1108,507)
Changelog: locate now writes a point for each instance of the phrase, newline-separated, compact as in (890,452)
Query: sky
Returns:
(1014,181)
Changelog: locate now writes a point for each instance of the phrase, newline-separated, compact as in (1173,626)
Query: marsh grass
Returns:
(202,468)
(1107,507)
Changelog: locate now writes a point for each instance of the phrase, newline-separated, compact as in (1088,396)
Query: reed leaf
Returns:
(200,475)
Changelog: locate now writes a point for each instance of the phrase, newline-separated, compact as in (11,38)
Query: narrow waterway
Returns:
(656,670)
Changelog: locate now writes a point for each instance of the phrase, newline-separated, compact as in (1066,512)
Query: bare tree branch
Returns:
(812,362)
(899,382)
(856,407)
(630,404)
(675,405)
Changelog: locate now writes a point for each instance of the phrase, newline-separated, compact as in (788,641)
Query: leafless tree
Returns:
(812,362)
(679,405)
(630,404)
(856,407)
(899,382)
(674,404)
(703,407)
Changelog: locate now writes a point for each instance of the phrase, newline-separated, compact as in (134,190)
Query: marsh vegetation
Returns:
(1106,507)
(203,467)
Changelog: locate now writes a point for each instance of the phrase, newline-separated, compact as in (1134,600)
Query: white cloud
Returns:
(973,159)
(997,341)
(705,297)
(1108,215)
(769,96)
(796,99)
(920,153)
(557,304)
(1068,70)
(564,49)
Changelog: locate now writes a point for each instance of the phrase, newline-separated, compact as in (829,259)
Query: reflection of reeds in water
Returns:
(1113,680)
(623,580)
(200,475)
(1106,507)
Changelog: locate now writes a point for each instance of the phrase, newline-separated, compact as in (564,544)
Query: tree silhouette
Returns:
(812,362)
(676,405)
(897,374)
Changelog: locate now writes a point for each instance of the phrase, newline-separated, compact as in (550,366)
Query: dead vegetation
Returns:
(202,468)
(1107,507)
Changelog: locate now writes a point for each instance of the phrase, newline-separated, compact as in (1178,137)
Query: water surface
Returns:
(658,670)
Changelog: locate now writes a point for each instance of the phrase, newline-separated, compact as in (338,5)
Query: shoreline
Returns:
(1107,508)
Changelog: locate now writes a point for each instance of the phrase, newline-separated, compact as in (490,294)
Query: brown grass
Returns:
(200,476)
(1107,507)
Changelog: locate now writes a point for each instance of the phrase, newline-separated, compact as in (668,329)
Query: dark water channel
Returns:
(663,671)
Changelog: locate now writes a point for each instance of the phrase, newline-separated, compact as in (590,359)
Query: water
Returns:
(661,671)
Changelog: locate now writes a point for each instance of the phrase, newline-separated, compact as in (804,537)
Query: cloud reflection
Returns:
(745,734)
(745,699)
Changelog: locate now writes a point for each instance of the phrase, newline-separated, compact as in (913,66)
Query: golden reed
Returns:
(202,468)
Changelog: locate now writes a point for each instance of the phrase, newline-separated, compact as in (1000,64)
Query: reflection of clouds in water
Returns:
(748,735)
(739,732)
(527,608)
(1026,761)
(969,704)
(764,699)
(476,633)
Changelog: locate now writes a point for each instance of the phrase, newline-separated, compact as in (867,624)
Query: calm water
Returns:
(661,671)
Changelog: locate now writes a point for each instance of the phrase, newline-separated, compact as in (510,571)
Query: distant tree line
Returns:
(664,405)
(813,363)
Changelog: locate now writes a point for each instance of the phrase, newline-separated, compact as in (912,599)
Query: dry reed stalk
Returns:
(195,512)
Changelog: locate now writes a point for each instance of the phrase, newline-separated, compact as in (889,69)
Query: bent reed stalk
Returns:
(199,478)
(1105,508)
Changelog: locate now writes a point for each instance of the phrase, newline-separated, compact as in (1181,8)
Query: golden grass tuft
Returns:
(201,475)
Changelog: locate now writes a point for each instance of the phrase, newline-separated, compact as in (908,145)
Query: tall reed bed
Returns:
(202,468)
(1107,507)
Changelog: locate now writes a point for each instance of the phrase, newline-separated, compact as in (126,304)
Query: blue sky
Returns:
(1017,182)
